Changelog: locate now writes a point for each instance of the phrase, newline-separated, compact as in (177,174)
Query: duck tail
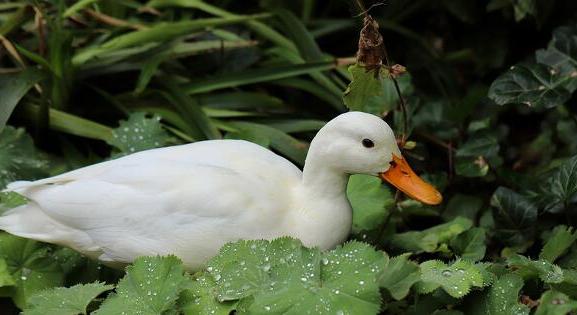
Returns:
(29,221)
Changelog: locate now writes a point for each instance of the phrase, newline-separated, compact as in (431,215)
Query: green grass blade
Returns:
(259,28)
(314,89)
(157,33)
(12,88)
(77,7)
(71,124)
(255,76)
(241,100)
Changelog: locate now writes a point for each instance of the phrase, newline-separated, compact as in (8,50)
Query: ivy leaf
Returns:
(473,156)
(560,188)
(282,276)
(65,301)
(432,239)
(457,279)
(151,286)
(467,206)
(503,297)
(372,91)
(139,133)
(370,200)
(561,54)
(558,243)
(30,266)
(199,298)
(19,159)
(399,276)
(544,270)
(534,85)
(555,303)
(514,215)
(470,245)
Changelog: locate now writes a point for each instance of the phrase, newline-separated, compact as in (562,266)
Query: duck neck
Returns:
(324,216)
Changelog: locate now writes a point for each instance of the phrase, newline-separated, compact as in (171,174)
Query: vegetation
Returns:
(489,117)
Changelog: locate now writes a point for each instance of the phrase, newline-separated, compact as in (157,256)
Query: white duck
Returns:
(189,200)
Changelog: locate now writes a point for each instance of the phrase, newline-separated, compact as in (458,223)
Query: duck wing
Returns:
(186,200)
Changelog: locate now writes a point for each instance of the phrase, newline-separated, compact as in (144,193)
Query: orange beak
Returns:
(404,178)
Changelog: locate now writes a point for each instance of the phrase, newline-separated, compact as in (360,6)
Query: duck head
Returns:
(361,143)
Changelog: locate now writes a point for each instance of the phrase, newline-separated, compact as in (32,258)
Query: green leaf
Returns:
(503,297)
(561,54)
(558,243)
(160,32)
(470,245)
(200,298)
(19,159)
(555,303)
(12,88)
(139,133)
(6,278)
(560,189)
(399,276)
(151,286)
(10,199)
(65,301)
(534,85)
(514,215)
(287,145)
(373,91)
(31,267)
(371,202)
(472,157)
(528,269)
(467,206)
(252,76)
(281,276)
(456,279)
(432,239)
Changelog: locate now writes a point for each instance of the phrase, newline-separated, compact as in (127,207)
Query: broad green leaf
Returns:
(371,202)
(534,85)
(558,243)
(65,301)
(561,54)
(514,216)
(467,206)
(456,279)
(373,91)
(12,88)
(151,286)
(544,270)
(199,298)
(503,297)
(19,158)
(432,239)
(139,133)
(555,303)
(472,157)
(31,267)
(399,276)
(6,278)
(559,190)
(470,245)
(282,277)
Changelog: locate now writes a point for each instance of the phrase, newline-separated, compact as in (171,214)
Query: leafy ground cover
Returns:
(490,118)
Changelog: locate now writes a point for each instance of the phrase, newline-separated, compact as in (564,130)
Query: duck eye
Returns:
(368,143)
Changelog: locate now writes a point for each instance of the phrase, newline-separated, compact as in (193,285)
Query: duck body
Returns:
(186,200)
(191,199)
